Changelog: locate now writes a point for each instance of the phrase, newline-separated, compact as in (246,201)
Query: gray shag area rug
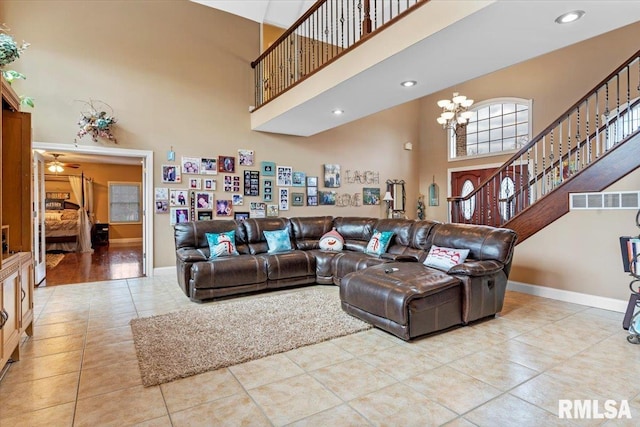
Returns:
(189,342)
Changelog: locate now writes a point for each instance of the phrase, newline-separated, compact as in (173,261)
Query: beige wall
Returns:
(580,251)
(101,175)
(178,74)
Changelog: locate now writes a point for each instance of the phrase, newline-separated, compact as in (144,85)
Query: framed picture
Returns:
(204,215)
(268,168)
(298,179)
(241,216)
(327,198)
(179,215)
(297,199)
(226,164)
(209,166)
(171,174)
(224,207)
(312,200)
(191,165)
(236,184)
(162,206)
(284,176)
(195,183)
(258,209)
(267,190)
(272,210)
(370,196)
(178,197)
(283,199)
(209,184)
(251,183)
(237,199)
(312,181)
(204,200)
(245,157)
(312,191)
(160,193)
(331,176)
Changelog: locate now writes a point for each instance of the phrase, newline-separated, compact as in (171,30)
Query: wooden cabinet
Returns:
(16,262)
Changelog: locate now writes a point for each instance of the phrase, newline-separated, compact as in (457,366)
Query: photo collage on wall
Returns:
(278,188)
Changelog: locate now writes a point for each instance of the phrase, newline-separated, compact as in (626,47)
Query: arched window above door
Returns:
(497,126)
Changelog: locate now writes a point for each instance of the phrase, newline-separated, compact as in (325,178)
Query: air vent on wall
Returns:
(609,200)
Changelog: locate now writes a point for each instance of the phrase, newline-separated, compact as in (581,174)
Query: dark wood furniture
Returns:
(100,234)
(16,263)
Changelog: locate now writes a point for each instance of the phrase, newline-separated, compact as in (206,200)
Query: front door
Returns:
(498,204)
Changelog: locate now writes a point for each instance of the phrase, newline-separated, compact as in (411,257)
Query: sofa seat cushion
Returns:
(285,265)
(229,271)
(347,262)
(389,291)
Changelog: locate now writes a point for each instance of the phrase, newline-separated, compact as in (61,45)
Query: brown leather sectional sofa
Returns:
(395,291)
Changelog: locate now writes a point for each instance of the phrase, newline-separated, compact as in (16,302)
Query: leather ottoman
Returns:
(404,299)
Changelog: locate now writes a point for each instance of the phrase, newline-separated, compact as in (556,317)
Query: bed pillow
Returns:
(52,216)
(278,240)
(69,214)
(445,258)
(379,242)
(222,244)
(331,241)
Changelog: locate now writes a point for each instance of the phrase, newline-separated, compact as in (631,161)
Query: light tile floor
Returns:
(80,369)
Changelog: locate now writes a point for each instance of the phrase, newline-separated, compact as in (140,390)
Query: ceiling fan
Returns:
(56,166)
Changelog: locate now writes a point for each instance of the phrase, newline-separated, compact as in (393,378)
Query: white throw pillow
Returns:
(445,258)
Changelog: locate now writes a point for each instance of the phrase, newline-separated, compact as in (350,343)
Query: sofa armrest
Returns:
(476,268)
(190,255)
(399,257)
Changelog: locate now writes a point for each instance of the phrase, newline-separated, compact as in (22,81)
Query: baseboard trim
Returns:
(125,241)
(569,296)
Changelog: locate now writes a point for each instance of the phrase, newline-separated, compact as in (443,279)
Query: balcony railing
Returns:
(604,117)
(325,32)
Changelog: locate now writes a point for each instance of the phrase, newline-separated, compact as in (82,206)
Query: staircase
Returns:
(592,145)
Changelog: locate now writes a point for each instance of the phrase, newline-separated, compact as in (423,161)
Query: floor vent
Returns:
(609,200)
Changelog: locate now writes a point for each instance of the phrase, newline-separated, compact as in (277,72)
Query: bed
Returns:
(62,226)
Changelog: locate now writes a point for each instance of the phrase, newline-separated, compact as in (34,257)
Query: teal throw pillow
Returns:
(379,242)
(222,244)
(278,240)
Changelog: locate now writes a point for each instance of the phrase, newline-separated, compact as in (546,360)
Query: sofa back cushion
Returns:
(356,231)
(307,231)
(484,242)
(254,228)
(401,229)
(193,234)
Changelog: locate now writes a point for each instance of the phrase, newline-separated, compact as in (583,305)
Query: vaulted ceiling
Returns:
(497,34)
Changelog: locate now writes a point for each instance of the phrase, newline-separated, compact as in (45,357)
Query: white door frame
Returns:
(147,181)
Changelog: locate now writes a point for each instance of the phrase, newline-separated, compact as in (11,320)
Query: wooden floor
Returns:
(105,263)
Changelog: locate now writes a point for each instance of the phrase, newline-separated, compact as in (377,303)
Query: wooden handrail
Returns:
(547,130)
(319,37)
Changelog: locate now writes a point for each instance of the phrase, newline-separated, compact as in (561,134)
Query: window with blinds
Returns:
(125,202)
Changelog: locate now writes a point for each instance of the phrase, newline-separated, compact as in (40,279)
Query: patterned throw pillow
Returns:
(278,240)
(445,258)
(222,244)
(331,241)
(379,242)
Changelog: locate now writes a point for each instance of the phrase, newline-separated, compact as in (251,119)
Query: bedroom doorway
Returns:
(115,250)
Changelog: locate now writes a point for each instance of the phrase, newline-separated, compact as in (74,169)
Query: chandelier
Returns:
(454,111)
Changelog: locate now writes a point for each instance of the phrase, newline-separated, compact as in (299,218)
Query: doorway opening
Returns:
(117,249)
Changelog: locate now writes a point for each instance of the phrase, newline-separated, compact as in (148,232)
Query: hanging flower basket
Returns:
(97,121)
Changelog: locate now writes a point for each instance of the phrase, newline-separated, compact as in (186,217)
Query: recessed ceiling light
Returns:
(338,112)
(409,83)
(572,16)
